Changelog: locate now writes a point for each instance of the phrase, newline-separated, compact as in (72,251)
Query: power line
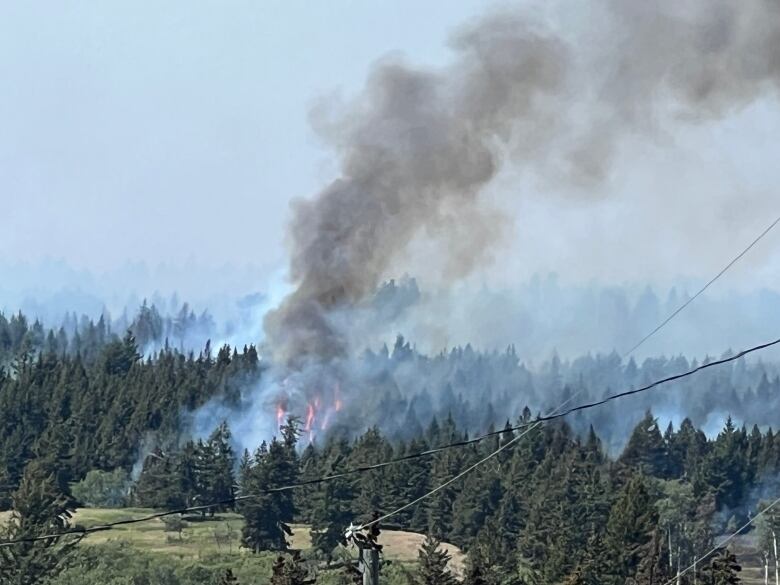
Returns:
(723,542)
(466,471)
(725,269)
(528,427)
(674,378)
(557,413)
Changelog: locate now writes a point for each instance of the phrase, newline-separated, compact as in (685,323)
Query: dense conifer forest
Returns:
(580,501)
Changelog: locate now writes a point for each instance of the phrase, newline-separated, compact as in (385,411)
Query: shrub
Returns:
(103,489)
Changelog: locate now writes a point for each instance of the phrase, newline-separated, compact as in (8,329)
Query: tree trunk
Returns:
(695,580)
(777,569)
(678,565)
(766,569)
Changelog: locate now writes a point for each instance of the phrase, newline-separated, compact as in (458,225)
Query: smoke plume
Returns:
(418,147)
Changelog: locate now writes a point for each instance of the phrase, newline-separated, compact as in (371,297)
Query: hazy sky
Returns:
(164,131)
(179,131)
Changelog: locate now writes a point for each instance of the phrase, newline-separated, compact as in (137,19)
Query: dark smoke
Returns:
(419,147)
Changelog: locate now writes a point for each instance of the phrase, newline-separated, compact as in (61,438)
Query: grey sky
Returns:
(167,132)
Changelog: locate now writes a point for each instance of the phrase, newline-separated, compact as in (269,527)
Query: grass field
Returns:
(220,535)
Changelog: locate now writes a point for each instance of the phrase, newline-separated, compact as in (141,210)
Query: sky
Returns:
(164,132)
(171,138)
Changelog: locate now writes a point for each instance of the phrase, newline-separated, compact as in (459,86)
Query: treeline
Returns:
(106,404)
(81,415)
(554,508)
(557,507)
(152,329)
(401,390)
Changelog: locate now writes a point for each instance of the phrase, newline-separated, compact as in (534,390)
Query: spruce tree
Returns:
(432,564)
(289,570)
(331,505)
(630,527)
(646,450)
(266,515)
(593,567)
(39,508)
(722,570)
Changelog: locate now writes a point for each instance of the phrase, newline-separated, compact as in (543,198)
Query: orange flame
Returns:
(310,415)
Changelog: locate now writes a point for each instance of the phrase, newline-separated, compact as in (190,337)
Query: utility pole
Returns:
(368,564)
(368,551)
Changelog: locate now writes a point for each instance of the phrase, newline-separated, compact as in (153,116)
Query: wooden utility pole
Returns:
(368,551)
(368,565)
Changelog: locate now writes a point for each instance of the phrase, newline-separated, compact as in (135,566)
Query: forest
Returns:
(87,420)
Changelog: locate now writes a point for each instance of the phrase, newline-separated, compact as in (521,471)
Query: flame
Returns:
(319,411)
(310,417)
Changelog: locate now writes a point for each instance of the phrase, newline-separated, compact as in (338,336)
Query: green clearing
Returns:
(205,547)
(220,535)
(215,542)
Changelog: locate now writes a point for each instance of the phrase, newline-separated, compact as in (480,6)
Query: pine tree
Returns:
(653,567)
(289,570)
(630,527)
(214,469)
(722,570)
(331,504)
(645,449)
(159,485)
(39,508)
(594,566)
(432,564)
(267,515)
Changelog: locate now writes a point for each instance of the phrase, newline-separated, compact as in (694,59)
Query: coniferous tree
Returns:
(159,484)
(594,566)
(331,504)
(39,508)
(433,564)
(266,516)
(289,570)
(645,449)
(630,528)
(722,570)
(653,567)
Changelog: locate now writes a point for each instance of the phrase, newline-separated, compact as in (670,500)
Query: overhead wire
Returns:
(558,413)
(701,291)
(526,427)
(723,542)
(641,342)
(555,414)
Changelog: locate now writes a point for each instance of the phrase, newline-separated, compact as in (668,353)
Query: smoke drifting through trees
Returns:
(418,147)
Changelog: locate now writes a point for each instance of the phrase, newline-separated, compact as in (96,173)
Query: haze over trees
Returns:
(601,498)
